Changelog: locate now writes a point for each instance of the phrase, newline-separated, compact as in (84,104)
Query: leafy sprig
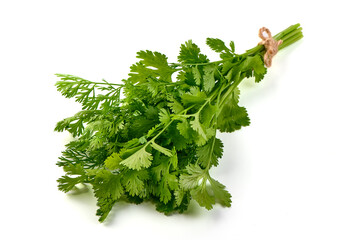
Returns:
(159,142)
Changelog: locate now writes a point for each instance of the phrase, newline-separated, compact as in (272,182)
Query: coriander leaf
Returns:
(84,91)
(194,96)
(139,159)
(175,106)
(232,46)
(164,116)
(179,196)
(139,73)
(208,115)
(168,183)
(197,75)
(184,129)
(105,206)
(154,59)
(190,54)
(202,196)
(161,149)
(160,170)
(209,153)
(192,178)
(221,195)
(174,159)
(67,183)
(254,64)
(178,141)
(197,126)
(217,45)
(76,169)
(209,77)
(108,185)
(113,161)
(159,62)
(188,134)
(134,181)
(232,117)
(200,140)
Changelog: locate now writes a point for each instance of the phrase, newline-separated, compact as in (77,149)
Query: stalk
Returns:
(289,36)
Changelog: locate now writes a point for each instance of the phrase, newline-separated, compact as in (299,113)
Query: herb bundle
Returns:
(158,142)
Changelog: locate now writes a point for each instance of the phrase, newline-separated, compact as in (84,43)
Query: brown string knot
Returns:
(271,45)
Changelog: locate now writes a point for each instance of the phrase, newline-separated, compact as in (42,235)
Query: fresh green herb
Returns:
(159,141)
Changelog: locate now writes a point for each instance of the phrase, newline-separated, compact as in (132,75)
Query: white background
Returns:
(293,173)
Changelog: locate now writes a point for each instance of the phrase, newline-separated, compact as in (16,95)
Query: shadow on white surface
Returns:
(84,201)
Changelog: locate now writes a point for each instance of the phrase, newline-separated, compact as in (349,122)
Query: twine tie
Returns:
(270,44)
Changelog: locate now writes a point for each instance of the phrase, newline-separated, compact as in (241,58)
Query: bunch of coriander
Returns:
(158,140)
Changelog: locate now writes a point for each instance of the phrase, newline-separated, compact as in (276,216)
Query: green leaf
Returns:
(200,140)
(108,185)
(210,152)
(206,195)
(95,143)
(197,75)
(134,181)
(160,170)
(254,64)
(84,91)
(138,160)
(198,127)
(217,45)
(209,77)
(164,116)
(192,178)
(168,183)
(67,183)
(153,65)
(202,196)
(232,46)
(184,129)
(190,54)
(113,161)
(159,62)
(153,59)
(232,117)
(74,169)
(174,159)
(221,195)
(175,106)
(179,196)
(105,206)
(139,73)
(174,136)
(208,114)
(194,96)
(161,149)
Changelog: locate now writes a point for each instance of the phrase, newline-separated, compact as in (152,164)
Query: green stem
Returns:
(211,150)
(157,135)
(289,36)
(107,83)
(201,64)
(228,92)
(291,40)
